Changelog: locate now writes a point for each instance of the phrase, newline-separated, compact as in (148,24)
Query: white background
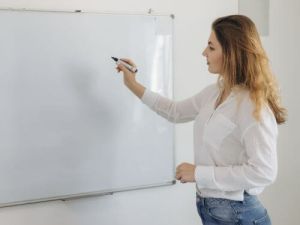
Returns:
(176,204)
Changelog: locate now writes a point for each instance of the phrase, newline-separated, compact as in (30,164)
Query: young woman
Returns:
(235,128)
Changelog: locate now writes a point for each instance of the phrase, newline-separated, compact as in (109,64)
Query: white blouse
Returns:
(233,151)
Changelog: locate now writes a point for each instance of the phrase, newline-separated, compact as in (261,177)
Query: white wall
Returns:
(283,46)
(176,204)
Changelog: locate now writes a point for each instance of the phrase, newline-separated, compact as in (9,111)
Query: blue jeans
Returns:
(219,211)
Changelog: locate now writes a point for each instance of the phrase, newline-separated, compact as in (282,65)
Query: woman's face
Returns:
(213,54)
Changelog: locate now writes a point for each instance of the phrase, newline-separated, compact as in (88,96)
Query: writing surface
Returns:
(69,126)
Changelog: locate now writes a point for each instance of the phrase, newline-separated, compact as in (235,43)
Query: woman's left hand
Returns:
(185,172)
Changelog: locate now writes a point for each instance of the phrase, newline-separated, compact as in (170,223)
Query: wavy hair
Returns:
(246,65)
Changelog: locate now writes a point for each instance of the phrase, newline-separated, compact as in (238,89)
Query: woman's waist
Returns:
(230,195)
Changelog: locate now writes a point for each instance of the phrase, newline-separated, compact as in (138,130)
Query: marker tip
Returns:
(114,58)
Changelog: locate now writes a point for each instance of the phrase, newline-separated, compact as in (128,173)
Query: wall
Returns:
(283,47)
(176,204)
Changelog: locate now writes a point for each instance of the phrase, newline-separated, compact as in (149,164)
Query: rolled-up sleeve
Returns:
(260,170)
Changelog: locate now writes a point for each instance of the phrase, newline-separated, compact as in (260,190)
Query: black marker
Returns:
(120,61)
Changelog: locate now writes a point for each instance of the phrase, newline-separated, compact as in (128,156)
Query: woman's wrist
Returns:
(136,88)
(130,83)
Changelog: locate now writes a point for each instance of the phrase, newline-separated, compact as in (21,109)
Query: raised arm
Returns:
(174,111)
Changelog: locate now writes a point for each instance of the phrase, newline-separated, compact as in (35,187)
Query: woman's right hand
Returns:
(128,76)
(129,79)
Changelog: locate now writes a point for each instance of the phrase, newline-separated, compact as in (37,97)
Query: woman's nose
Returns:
(204,52)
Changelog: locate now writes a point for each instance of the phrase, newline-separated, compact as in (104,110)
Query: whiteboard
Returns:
(68,125)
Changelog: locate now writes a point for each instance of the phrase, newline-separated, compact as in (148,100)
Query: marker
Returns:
(120,61)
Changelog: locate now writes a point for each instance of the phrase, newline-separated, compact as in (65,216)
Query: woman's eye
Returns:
(211,48)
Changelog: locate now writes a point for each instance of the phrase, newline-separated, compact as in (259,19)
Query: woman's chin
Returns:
(211,71)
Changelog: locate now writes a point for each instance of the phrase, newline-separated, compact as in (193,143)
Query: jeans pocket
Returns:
(265,220)
(220,210)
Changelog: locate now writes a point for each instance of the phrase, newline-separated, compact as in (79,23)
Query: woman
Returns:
(235,129)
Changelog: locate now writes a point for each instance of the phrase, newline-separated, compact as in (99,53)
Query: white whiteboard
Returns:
(68,125)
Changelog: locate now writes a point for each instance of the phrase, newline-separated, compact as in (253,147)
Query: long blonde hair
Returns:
(246,65)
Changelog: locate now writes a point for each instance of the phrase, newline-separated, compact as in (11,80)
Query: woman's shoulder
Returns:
(209,90)
(206,94)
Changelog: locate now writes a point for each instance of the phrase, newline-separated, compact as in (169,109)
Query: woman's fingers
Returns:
(121,67)
(180,178)
(185,172)
(130,62)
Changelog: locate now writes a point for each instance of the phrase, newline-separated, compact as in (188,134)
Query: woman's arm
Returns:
(136,88)
(176,112)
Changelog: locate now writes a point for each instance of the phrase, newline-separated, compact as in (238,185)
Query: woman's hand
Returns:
(185,172)
(129,77)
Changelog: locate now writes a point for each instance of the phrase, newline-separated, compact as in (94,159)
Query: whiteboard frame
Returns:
(111,191)
(150,13)
(86,194)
